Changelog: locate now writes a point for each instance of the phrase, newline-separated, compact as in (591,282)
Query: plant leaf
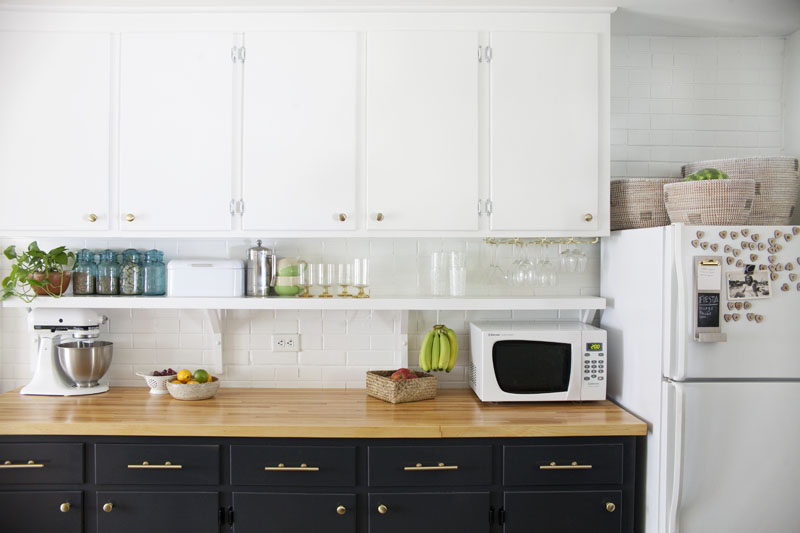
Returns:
(10,252)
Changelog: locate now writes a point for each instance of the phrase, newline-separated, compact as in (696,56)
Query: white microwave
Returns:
(537,361)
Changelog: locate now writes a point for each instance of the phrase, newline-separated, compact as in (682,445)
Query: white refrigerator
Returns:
(722,452)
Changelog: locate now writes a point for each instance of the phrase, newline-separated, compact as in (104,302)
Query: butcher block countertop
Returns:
(309,413)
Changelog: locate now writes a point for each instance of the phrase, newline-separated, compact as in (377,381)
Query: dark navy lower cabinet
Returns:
(157,512)
(41,511)
(109,484)
(429,512)
(294,512)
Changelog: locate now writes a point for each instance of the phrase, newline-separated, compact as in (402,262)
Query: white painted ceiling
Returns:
(633,17)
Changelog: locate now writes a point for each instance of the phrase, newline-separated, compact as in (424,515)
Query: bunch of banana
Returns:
(439,349)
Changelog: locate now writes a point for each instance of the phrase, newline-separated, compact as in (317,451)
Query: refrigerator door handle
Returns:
(679,351)
(677,457)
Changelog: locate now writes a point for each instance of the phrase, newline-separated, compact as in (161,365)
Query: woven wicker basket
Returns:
(777,184)
(716,202)
(381,386)
(639,203)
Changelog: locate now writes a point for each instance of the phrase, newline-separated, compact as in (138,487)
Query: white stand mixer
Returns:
(50,325)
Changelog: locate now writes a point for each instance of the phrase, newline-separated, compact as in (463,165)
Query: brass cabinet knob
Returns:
(107,507)
(92,217)
(382,509)
(379,217)
(610,507)
(64,507)
(341,510)
(129,217)
(342,217)
(588,217)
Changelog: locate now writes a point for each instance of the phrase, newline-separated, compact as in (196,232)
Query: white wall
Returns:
(680,99)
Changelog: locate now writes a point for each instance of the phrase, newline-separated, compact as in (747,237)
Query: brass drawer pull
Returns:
(166,466)
(29,464)
(573,466)
(283,468)
(440,466)
(108,507)
(64,507)
(341,510)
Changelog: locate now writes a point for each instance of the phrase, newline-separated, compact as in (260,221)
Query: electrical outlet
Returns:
(286,343)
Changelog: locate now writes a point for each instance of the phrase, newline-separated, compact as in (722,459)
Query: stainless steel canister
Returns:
(261,267)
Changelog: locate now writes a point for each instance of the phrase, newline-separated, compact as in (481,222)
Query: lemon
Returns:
(193,382)
(184,376)
(176,381)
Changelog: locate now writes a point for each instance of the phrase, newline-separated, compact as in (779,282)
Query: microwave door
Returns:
(536,370)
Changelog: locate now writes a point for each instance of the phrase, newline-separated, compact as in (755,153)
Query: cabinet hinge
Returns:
(501,515)
(236,207)
(240,206)
(221,516)
(487,54)
(230,516)
(480,211)
(491,515)
(232,207)
(488,207)
(238,54)
(480,54)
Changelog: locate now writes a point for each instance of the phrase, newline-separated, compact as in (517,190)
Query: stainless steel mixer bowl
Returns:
(85,362)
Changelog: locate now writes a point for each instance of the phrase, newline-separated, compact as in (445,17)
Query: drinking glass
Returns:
(345,278)
(325,278)
(439,273)
(495,274)
(458,274)
(361,276)
(305,273)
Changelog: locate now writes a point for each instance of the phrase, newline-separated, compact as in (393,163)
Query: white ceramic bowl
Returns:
(157,384)
(199,391)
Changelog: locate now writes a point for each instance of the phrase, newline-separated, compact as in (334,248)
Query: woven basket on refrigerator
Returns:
(381,386)
(777,184)
(715,202)
(639,203)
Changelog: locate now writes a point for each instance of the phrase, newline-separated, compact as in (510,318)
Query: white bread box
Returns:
(205,277)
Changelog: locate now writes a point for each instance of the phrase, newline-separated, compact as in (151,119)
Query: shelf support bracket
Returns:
(215,321)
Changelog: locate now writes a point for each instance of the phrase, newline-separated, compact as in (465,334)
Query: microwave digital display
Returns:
(532,367)
(594,346)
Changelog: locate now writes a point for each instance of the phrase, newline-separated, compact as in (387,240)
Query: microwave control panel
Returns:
(594,371)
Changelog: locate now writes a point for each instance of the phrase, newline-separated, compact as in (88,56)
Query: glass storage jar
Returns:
(155,273)
(131,275)
(108,273)
(84,273)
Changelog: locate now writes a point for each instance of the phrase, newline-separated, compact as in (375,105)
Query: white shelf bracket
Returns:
(215,321)
(588,316)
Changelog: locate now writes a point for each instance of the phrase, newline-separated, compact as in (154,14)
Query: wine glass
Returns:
(325,278)
(361,276)
(547,272)
(494,274)
(305,273)
(345,278)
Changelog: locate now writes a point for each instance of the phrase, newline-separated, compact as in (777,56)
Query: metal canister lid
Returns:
(258,251)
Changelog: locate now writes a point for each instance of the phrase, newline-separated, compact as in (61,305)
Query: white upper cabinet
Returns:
(544,111)
(54,130)
(422,130)
(175,131)
(300,136)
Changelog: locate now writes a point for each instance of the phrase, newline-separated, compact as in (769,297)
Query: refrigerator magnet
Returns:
(748,285)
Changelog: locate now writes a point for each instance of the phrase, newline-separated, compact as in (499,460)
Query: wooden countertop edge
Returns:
(372,432)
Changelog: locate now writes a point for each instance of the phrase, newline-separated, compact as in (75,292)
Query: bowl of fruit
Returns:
(157,380)
(197,385)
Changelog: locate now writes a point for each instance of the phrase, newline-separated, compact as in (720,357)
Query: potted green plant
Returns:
(37,272)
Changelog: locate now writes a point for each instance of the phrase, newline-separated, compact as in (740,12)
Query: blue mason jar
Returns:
(131,275)
(84,273)
(108,273)
(155,273)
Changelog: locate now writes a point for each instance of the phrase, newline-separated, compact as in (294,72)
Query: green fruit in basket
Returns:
(201,376)
(706,174)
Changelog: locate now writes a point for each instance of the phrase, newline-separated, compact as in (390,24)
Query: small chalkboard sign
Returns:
(707,309)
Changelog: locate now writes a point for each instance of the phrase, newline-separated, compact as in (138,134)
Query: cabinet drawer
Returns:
(60,463)
(562,464)
(429,512)
(295,513)
(35,512)
(293,466)
(404,466)
(157,512)
(595,511)
(160,464)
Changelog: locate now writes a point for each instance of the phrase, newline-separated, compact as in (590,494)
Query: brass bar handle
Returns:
(64,507)
(166,466)
(283,468)
(440,466)
(29,464)
(573,466)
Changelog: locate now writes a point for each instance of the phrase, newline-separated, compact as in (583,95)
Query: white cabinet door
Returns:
(175,131)
(544,131)
(422,130)
(54,130)
(299,167)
